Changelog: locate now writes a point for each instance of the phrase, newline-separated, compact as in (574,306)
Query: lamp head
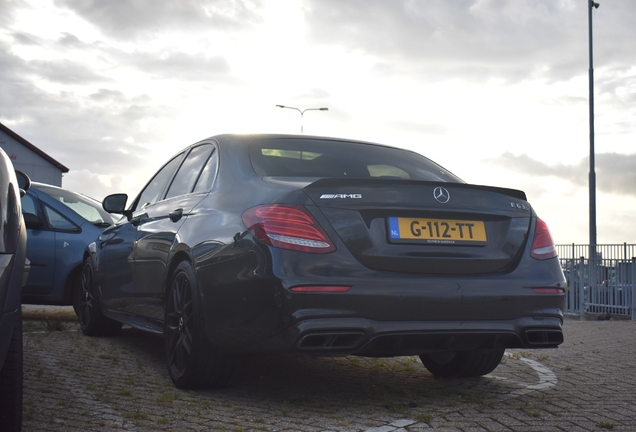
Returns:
(594,5)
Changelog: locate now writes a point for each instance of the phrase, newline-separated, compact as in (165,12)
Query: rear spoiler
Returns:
(333,182)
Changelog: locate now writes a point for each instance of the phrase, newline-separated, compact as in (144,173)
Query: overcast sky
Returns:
(494,90)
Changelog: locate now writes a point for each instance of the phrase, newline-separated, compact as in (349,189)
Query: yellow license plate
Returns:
(437,230)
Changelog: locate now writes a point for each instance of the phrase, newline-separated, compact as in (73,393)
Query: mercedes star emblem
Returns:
(441,195)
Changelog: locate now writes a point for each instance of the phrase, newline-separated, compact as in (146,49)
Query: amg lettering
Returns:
(334,196)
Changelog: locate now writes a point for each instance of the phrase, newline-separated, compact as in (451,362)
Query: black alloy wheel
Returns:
(11,382)
(92,322)
(192,361)
(462,364)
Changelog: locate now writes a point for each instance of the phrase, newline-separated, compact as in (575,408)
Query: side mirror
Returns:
(32,221)
(116,203)
(24,182)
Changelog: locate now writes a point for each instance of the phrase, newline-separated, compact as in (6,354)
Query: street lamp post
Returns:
(302,112)
(592,178)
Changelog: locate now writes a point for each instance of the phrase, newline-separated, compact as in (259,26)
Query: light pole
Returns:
(592,179)
(302,112)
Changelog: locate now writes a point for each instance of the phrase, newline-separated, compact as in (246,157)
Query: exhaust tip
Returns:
(329,341)
(543,337)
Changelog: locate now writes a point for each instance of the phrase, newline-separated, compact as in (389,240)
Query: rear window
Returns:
(340,159)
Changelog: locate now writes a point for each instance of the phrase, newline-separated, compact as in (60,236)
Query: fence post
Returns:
(574,284)
(573,287)
(633,287)
(581,288)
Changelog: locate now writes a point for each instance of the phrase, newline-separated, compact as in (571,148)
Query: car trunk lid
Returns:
(425,227)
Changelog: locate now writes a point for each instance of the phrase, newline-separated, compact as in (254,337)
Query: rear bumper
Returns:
(360,336)
(383,313)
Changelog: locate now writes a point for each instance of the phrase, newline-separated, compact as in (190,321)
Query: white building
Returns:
(29,159)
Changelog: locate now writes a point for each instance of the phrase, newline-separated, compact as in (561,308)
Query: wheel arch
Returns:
(70,280)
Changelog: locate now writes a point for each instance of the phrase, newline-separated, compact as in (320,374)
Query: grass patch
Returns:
(399,409)
(166,398)
(109,357)
(136,415)
(424,418)
(52,326)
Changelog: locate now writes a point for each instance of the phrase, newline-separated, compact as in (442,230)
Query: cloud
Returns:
(12,67)
(99,186)
(473,39)
(61,70)
(179,65)
(70,41)
(23,38)
(615,173)
(96,136)
(65,72)
(125,20)
(9,7)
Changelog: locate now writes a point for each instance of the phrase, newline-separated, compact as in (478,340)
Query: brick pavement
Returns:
(76,383)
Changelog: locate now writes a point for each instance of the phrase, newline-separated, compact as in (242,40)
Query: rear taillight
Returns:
(287,227)
(542,243)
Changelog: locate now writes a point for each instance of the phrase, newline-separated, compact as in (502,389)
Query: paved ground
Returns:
(75,383)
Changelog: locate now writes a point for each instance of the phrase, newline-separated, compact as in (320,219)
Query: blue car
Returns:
(60,223)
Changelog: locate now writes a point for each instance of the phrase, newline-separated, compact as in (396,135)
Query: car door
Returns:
(40,248)
(116,264)
(158,227)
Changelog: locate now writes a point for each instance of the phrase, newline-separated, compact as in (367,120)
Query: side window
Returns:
(189,171)
(29,205)
(208,174)
(151,194)
(59,222)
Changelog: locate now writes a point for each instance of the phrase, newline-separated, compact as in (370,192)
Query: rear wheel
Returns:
(89,312)
(11,382)
(462,364)
(192,361)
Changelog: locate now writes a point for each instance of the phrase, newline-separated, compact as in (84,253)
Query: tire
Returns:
(11,382)
(76,292)
(462,364)
(192,361)
(89,312)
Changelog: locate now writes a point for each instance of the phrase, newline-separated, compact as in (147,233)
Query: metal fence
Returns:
(602,285)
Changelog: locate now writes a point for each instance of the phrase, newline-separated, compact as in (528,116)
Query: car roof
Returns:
(246,139)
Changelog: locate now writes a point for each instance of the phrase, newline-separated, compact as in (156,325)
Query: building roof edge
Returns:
(33,148)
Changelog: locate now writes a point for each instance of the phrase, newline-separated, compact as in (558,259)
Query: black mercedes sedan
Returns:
(248,244)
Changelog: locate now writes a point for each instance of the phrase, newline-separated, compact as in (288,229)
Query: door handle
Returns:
(176,214)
